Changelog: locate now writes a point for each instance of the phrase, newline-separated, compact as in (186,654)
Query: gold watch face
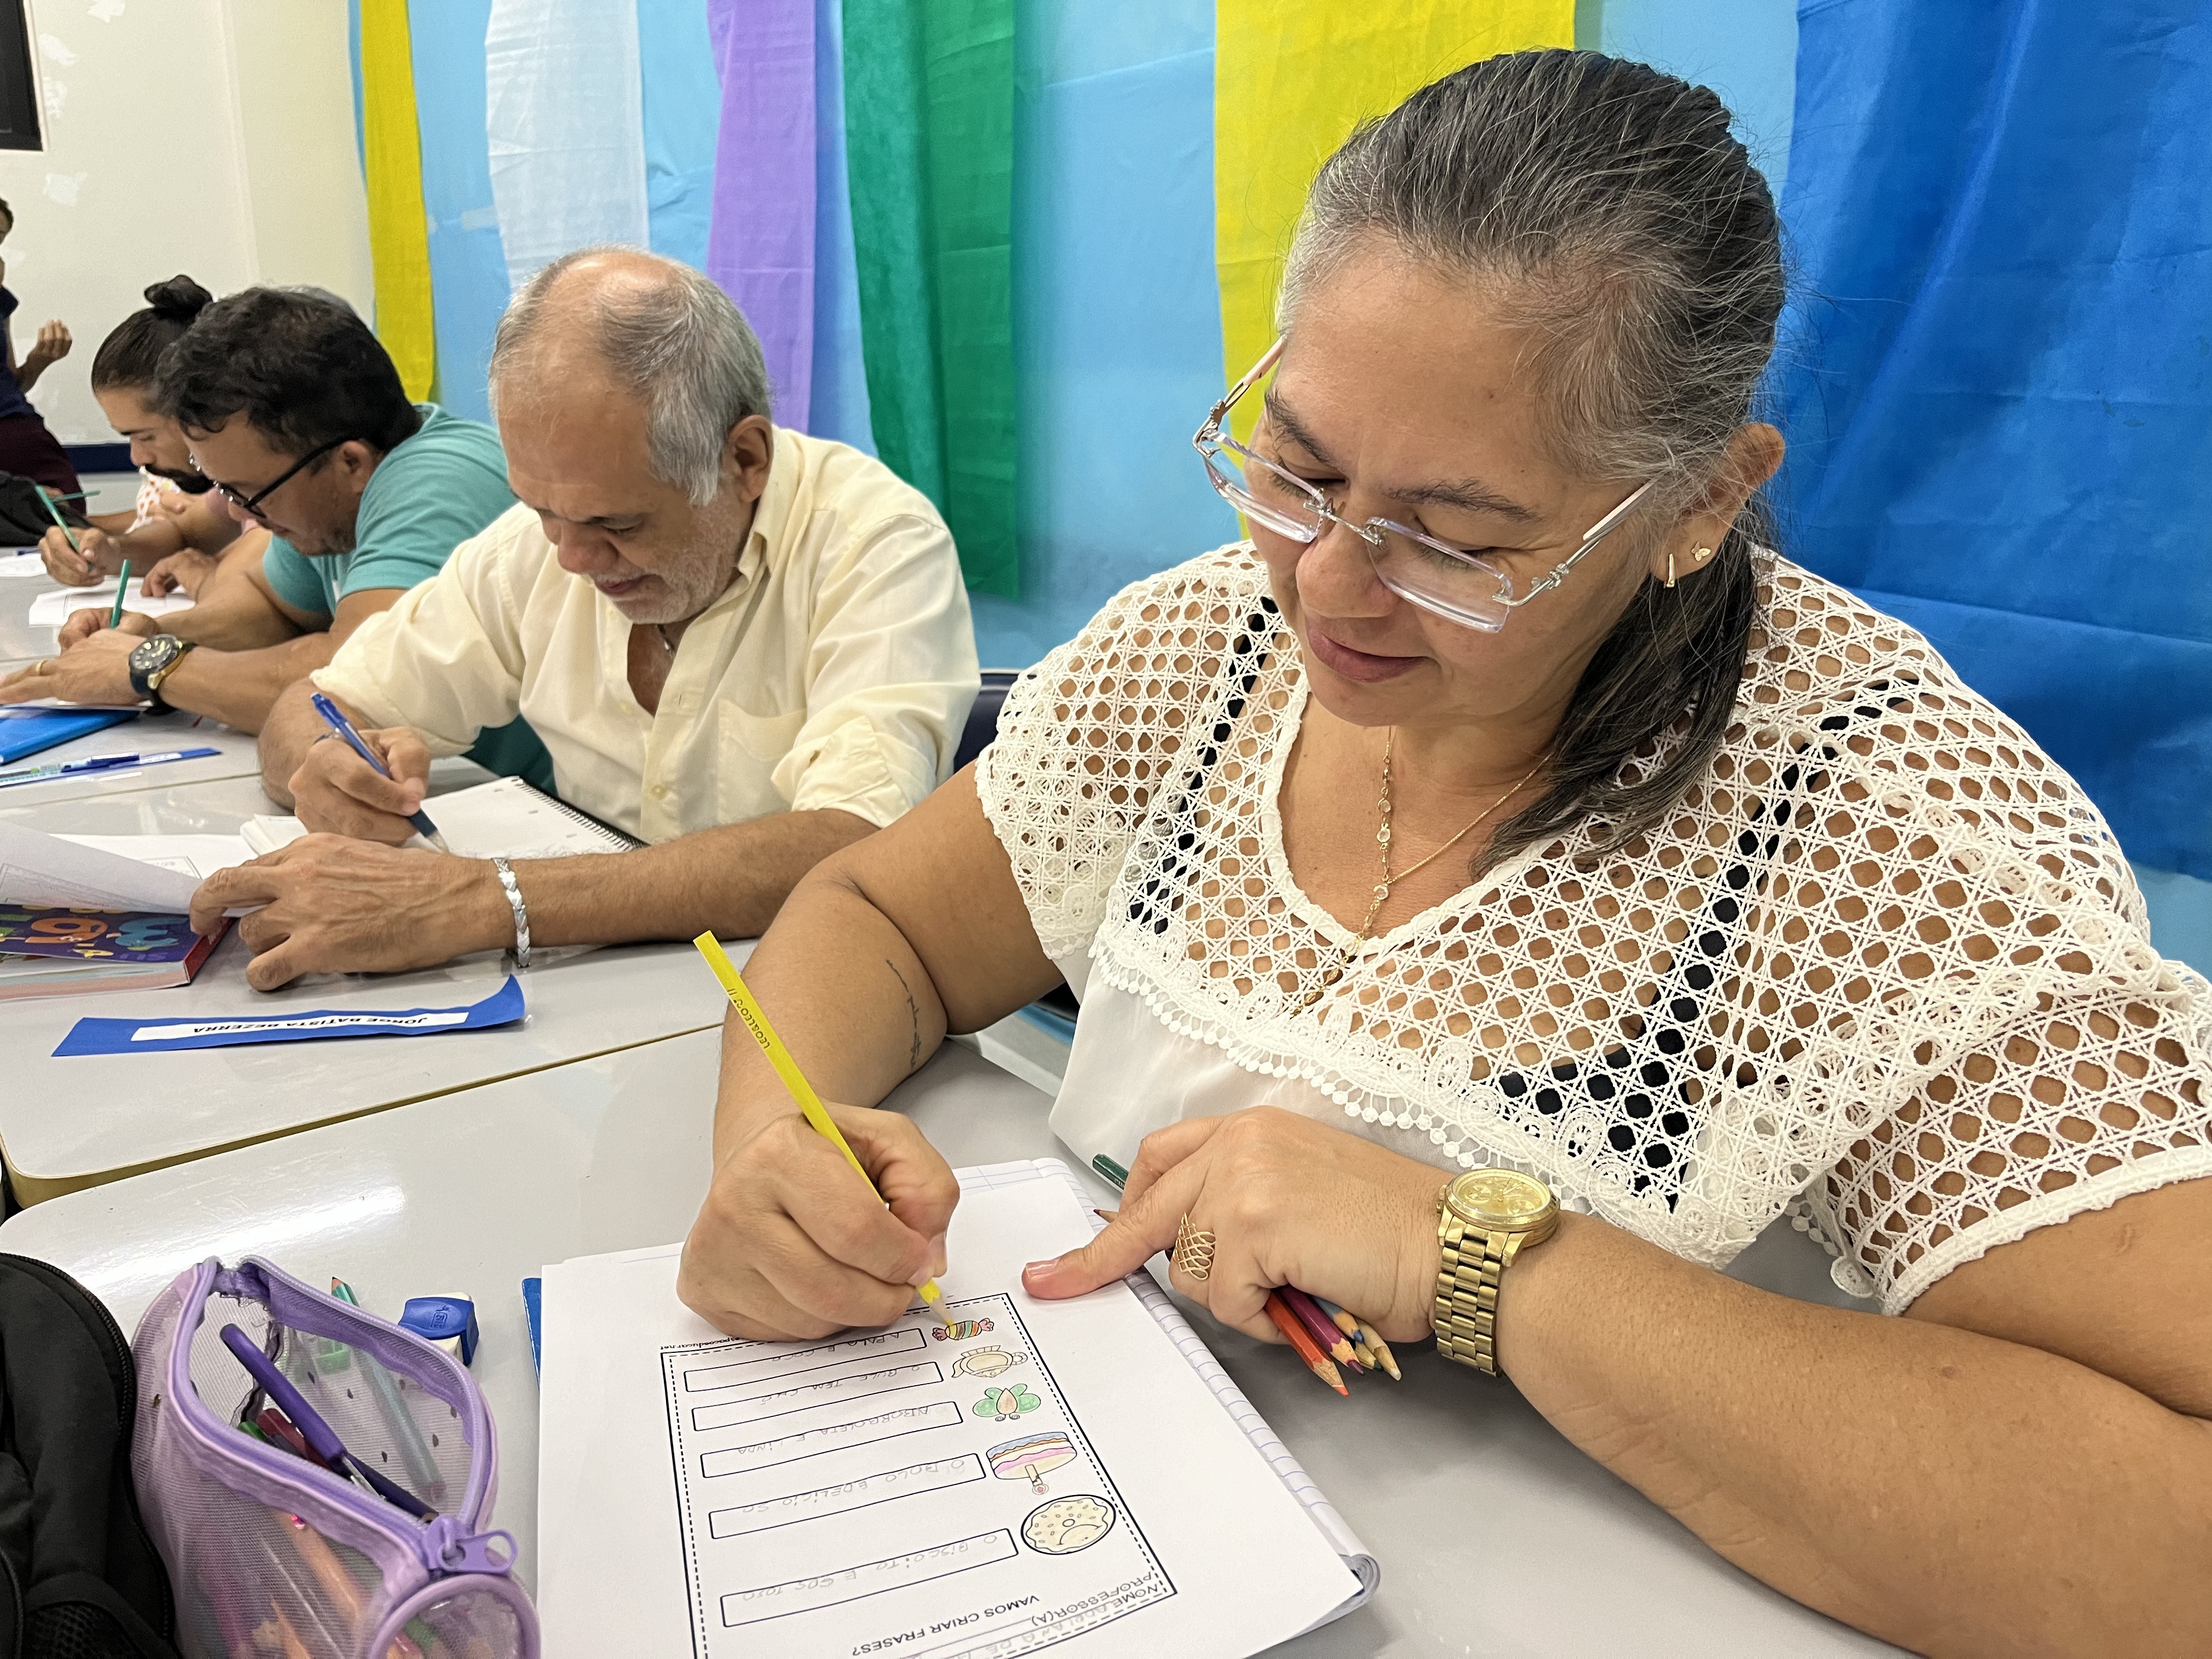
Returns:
(1503,1199)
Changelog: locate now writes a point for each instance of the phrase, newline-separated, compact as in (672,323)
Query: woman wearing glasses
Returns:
(1501,889)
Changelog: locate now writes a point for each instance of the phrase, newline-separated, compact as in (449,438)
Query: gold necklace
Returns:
(1383,887)
(1383,833)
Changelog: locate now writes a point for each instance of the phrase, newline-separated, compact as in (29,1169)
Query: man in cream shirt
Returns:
(746,647)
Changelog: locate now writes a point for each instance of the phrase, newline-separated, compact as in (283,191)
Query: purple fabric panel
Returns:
(760,241)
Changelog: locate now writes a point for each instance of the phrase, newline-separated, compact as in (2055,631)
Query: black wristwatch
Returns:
(154,661)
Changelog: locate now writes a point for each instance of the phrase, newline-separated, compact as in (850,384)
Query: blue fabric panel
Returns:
(683,102)
(1997,388)
(468,268)
(1117,315)
(838,404)
(2056,673)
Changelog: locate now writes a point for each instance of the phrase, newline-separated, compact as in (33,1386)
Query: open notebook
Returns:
(1077,1476)
(504,819)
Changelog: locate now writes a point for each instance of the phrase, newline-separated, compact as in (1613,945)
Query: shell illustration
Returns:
(987,1361)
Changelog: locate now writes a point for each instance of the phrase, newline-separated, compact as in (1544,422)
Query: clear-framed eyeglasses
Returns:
(1446,581)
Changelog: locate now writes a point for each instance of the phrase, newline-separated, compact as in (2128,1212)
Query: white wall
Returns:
(177,133)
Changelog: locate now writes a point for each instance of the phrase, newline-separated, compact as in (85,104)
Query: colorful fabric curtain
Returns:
(929,122)
(392,159)
(468,268)
(761,245)
(1292,78)
(1999,415)
(565,128)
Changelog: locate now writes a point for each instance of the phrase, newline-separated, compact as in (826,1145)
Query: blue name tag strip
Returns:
(150,1036)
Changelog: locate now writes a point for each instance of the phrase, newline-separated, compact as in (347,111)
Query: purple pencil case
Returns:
(270,1554)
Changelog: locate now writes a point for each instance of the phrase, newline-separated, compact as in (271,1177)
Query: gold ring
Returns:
(1193,1251)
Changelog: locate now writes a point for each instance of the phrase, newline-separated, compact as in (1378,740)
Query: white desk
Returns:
(19,642)
(70,1123)
(212,796)
(236,756)
(474,1192)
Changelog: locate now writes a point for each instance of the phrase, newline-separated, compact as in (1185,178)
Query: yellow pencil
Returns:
(755,1019)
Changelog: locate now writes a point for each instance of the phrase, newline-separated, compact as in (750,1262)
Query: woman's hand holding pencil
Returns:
(1291,1202)
(806,1231)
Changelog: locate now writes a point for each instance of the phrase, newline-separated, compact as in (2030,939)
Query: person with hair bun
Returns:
(1504,887)
(27,448)
(177,529)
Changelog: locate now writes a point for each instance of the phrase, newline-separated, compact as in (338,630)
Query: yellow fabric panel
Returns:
(1292,78)
(398,228)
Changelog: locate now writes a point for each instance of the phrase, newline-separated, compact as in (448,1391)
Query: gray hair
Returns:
(1614,216)
(678,342)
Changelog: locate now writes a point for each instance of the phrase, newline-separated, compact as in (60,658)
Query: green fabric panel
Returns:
(929,129)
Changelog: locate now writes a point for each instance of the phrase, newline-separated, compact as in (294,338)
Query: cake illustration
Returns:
(1031,1458)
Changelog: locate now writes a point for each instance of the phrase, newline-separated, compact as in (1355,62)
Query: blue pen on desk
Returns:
(101,763)
(318,1435)
(334,717)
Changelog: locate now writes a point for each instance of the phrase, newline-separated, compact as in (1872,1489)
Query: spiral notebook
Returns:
(504,819)
(1075,1476)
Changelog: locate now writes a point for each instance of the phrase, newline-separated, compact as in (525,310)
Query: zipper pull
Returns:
(446,1548)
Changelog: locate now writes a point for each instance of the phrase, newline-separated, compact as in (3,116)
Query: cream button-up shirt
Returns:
(835,670)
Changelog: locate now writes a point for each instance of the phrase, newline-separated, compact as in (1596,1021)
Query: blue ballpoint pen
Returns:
(101,763)
(334,717)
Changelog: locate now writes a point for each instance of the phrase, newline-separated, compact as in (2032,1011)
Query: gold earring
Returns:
(1702,554)
(1670,567)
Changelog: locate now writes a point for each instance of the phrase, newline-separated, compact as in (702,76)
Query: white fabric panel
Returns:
(564,123)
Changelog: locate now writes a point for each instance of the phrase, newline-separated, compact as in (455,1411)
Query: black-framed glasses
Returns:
(251,505)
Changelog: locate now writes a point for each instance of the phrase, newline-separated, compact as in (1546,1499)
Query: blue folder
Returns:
(27,732)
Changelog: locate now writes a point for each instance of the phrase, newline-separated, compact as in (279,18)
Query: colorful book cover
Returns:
(116,937)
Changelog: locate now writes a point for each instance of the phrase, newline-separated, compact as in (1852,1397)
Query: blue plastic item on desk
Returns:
(30,731)
(450,1319)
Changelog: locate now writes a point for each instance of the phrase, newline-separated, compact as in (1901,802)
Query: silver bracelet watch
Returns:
(514,891)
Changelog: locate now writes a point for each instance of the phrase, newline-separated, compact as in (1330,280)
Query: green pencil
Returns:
(122,587)
(55,513)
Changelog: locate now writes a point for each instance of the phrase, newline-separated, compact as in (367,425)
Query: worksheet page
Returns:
(1039,1477)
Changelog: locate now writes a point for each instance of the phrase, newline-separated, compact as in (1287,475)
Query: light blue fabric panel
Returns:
(2180,915)
(1744,50)
(468,268)
(839,406)
(1117,315)
(681,102)
(565,128)
(353,47)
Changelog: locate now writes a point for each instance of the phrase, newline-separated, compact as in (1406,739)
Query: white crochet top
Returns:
(1885,959)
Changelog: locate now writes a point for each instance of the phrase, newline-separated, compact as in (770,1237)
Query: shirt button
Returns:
(661,791)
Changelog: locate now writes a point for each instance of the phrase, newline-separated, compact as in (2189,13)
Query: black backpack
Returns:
(23,517)
(79,1577)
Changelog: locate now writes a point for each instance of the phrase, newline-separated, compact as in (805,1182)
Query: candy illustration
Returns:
(1067,1524)
(1030,1460)
(987,1361)
(1004,1403)
(960,1330)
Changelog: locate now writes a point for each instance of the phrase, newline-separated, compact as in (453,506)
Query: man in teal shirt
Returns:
(351,494)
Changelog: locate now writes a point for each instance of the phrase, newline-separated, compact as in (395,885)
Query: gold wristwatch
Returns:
(1485,1218)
